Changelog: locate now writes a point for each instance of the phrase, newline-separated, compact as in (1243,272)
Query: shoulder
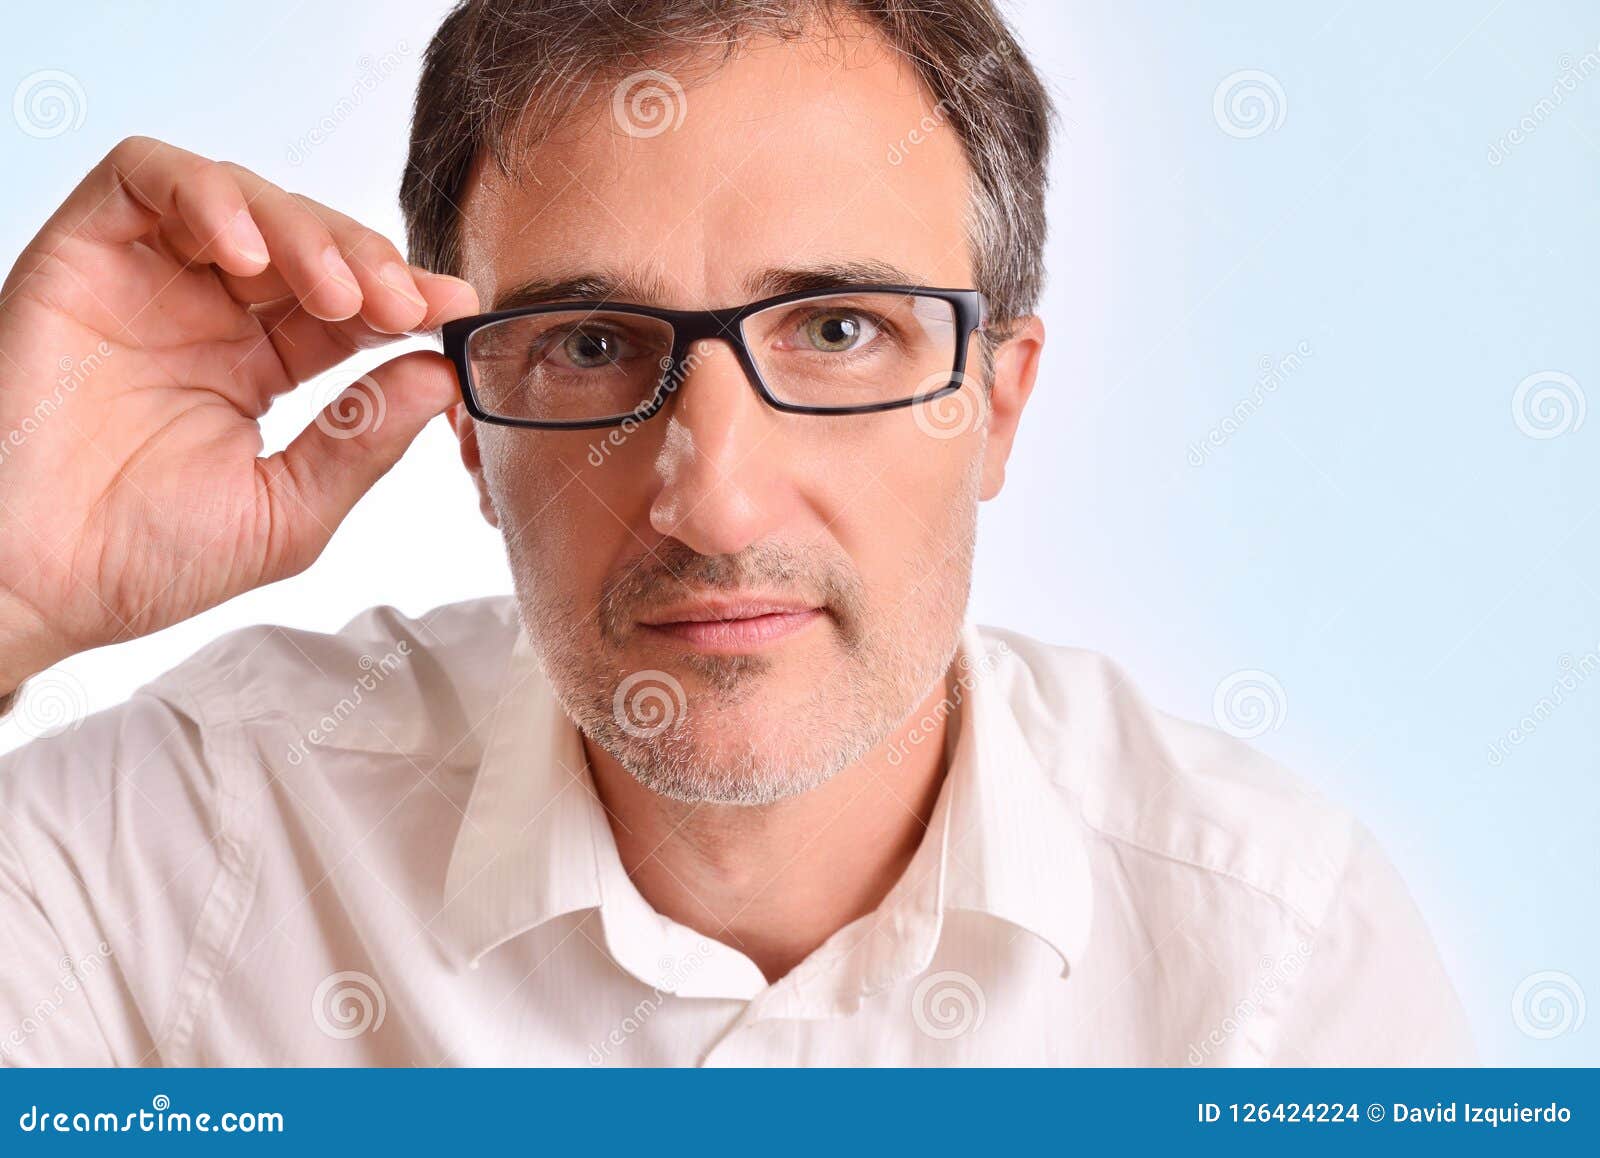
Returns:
(204,737)
(424,670)
(1171,795)
(1262,922)
(145,826)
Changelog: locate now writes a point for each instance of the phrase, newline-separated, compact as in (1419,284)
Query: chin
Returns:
(732,756)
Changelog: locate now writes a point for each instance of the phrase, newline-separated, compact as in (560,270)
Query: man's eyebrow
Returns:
(825,275)
(597,286)
(588,286)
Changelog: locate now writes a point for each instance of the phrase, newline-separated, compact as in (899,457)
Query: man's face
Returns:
(734,601)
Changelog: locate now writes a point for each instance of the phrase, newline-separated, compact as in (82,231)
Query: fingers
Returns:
(335,266)
(392,299)
(307,346)
(303,251)
(313,483)
(142,181)
(266,241)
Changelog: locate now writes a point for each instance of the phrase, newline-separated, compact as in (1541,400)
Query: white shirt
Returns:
(383,847)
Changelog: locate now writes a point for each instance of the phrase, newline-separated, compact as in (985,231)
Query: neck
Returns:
(776,881)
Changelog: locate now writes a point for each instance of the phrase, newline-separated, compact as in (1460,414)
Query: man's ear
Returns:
(1016,364)
(472,459)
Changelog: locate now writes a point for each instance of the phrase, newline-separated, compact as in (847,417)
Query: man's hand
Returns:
(143,333)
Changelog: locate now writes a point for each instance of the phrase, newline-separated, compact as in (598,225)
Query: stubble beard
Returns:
(706,729)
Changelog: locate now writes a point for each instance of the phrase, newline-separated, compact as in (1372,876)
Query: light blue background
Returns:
(1379,534)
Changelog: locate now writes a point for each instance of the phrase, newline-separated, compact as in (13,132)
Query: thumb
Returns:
(314,482)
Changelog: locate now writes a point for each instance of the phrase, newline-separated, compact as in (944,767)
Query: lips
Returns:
(731,623)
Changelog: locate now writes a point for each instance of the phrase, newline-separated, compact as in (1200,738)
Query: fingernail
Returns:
(334,263)
(247,238)
(398,278)
(455,283)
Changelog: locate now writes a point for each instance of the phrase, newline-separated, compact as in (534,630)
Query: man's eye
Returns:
(836,332)
(592,349)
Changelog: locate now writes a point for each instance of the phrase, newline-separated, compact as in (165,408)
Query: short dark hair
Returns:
(498,73)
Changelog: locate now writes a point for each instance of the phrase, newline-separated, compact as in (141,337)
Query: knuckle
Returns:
(235,171)
(214,176)
(311,209)
(373,248)
(130,150)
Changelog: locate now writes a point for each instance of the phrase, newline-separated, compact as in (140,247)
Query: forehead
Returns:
(683,185)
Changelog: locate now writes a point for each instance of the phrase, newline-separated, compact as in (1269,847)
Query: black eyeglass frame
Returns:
(969,306)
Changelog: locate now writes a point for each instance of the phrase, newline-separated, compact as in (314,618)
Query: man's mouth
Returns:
(724,623)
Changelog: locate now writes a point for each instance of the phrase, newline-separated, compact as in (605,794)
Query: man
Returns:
(730,781)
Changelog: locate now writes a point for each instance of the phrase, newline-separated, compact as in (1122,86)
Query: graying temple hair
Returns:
(499,73)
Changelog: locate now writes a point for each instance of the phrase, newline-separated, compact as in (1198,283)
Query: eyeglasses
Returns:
(842,350)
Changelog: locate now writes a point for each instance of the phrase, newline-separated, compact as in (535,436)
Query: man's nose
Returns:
(721,469)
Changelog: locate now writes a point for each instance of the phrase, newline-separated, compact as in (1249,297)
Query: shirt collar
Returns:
(526,850)
(1004,841)
(1017,842)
